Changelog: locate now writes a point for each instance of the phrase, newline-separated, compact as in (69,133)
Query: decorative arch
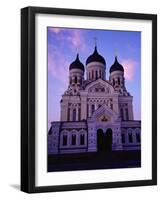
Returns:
(99,82)
(105,112)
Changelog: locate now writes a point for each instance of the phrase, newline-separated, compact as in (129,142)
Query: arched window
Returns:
(68,114)
(92,74)
(130,137)
(138,137)
(113,82)
(92,108)
(127,114)
(79,113)
(123,138)
(119,81)
(82,139)
(64,140)
(122,113)
(87,110)
(100,75)
(74,114)
(73,139)
(96,74)
(75,79)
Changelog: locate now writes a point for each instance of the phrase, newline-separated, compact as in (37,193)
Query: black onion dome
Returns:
(76,64)
(116,66)
(95,57)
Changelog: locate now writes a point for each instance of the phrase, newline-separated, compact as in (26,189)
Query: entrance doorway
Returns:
(100,140)
(104,140)
(108,139)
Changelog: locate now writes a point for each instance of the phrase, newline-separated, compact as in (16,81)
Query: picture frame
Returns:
(29,108)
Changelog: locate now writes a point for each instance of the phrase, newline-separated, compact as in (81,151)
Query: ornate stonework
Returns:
(94,104)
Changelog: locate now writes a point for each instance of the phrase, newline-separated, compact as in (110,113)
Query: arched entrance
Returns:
(104,140)
(100,140)
(108,135)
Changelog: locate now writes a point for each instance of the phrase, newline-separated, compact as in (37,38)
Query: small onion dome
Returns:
(116,66)
(95,57)
(76,64)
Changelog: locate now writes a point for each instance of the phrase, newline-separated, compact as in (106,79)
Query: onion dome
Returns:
(95,57)
(76,64)
(116,66)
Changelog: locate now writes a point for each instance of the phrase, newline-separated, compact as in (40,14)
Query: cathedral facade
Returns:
(96,114)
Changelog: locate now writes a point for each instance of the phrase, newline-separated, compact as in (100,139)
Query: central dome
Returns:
(95,57)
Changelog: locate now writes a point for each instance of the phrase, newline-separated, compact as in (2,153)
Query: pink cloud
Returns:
(77,40)
(74,37)
(55,30)
(58,66)
(129,68)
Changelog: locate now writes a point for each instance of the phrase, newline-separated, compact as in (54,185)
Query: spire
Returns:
(77,57)
(116,61)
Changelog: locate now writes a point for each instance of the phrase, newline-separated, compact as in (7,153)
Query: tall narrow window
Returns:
(75,79)
(138,137)
(111,106)
(100,73)
(127,114)
(74,114)
(130,137)
(92,108)
(123,138)
(96,74)
(87,110)
(73,139)
(122,113)
(64,140)
(68,114)
(82,142)
(79,114)
(92,74)
(119,81)
(113,82)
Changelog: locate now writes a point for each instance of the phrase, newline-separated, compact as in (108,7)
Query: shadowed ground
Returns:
(98,160)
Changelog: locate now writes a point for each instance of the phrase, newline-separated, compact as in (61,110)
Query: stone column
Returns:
(83,108)
(130,110)
(90,109)
(92,138)
(115,105)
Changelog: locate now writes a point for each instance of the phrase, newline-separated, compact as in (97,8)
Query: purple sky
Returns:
(63,44)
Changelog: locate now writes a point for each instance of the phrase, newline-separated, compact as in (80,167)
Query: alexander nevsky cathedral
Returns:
(96,114)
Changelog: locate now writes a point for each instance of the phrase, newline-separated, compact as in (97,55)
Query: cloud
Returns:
(55,30)
(74,38)
(77,40)
(58,66)
(129,68)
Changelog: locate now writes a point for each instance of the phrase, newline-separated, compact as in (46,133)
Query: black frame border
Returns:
(28,98)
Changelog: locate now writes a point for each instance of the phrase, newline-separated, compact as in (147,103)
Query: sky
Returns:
(63,45)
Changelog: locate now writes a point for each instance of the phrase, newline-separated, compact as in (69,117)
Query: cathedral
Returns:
(96,114)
